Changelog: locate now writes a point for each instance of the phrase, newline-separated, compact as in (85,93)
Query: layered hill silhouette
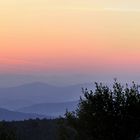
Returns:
(14,98)
(39,98)
(50,109)
(8,115)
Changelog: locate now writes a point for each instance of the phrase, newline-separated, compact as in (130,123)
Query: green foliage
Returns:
(108,113)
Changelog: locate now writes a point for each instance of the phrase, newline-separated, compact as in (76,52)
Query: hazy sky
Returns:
(75,39)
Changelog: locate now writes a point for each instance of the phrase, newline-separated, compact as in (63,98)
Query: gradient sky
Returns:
(89,38)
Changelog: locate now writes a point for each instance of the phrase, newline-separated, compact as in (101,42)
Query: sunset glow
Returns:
(77,36)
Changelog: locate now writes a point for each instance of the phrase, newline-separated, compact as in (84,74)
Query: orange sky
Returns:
(74,36)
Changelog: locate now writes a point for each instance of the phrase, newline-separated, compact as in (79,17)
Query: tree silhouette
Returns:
(107,113)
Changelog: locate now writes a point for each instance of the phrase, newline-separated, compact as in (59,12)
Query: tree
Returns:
(107,113)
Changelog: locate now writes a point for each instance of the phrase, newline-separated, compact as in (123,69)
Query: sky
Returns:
(69,41)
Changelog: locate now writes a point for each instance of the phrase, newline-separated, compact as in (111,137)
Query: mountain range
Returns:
(14,98)
(8,115)
(39,98)
(50,109)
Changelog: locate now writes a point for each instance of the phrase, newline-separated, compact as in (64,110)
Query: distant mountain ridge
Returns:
(50,109)
(8,115)
(14,98)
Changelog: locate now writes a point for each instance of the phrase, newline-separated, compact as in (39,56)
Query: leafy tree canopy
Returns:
(107,113)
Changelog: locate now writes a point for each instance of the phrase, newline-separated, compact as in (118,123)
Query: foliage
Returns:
(65,132)
(29,130)
(107,113)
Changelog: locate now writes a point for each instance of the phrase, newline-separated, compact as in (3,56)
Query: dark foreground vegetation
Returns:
(29,130)
(105,114)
